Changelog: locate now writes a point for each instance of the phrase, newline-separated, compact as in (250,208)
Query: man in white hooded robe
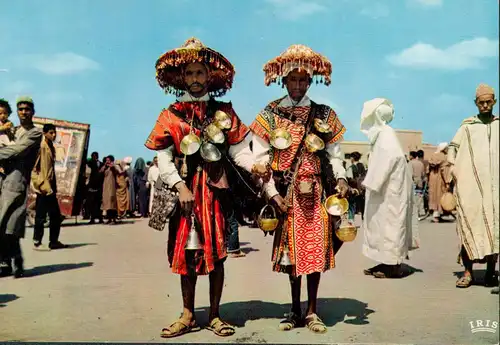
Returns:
(389,209)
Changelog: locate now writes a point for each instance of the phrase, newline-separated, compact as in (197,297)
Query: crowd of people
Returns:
(211,171)
(115,190)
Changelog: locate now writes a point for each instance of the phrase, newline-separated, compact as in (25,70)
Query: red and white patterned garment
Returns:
(307,225)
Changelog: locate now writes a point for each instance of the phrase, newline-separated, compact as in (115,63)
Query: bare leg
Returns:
(313,280)
(216,286)
(188,288)
(295,286)
(467,279)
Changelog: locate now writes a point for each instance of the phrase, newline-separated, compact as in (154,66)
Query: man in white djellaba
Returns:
(390,219)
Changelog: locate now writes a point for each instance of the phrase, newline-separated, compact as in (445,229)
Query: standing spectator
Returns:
(153,174)
(141,189)
(122,195)
(109,201)
(94,189)
(439,180)
(45,187)
(417,169)
(17,160)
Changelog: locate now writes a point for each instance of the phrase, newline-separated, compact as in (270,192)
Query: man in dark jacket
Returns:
(18,160)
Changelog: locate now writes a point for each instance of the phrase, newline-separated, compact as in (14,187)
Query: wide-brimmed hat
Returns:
(169,68)
(300,57)
(441,147)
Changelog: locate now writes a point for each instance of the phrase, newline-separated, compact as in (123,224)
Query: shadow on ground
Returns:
(41,270)
(6,298)
(408,270)
(330,310)
(78,245)
(249,250)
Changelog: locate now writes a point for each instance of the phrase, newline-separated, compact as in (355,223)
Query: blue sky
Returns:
(93,61)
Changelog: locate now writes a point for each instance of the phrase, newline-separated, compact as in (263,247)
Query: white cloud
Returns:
(463,55)
(375,11)
(58,64)
(4,70)
(295,9)
(428,3)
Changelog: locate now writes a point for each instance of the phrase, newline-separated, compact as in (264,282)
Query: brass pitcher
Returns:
(222,120)
(193,241)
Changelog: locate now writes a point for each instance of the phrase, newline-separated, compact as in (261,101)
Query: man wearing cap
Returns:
(389,226)
(18,160)
(439,180)
(473,154)
(302,175)
(197,74)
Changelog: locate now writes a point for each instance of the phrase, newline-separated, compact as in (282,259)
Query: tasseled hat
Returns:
(169,68)
(484,89)
(299,57)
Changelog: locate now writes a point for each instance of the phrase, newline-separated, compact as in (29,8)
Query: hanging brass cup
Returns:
(210,153)
(270,223)
(314,143)
(214,134)
(280,139)
(190,144)
(336,206)
(347,231)
(322,126)
(222,120)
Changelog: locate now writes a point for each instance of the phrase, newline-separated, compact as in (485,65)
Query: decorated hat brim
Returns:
(169,69)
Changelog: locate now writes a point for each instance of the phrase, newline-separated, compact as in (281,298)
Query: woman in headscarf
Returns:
(122,195)
(109,201)
(131,191)
(141,189)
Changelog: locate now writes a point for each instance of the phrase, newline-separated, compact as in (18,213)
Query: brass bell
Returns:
(214,134)
(190,144)
(285,259)
(193,241)
(222,120)
(336,206)
(314,143)
(280,139)
(210,153)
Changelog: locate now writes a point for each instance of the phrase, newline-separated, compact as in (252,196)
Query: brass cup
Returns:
(210,153)
(336,206)
(268,224)
(322,126)
(222,120)
(347,233)
(314,143)
(280,139)
(190,144)
(214,134)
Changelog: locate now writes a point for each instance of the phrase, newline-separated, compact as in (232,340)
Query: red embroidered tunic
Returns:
(169,130)
(307,229)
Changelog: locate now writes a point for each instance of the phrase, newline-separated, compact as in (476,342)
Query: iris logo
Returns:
(483,326)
